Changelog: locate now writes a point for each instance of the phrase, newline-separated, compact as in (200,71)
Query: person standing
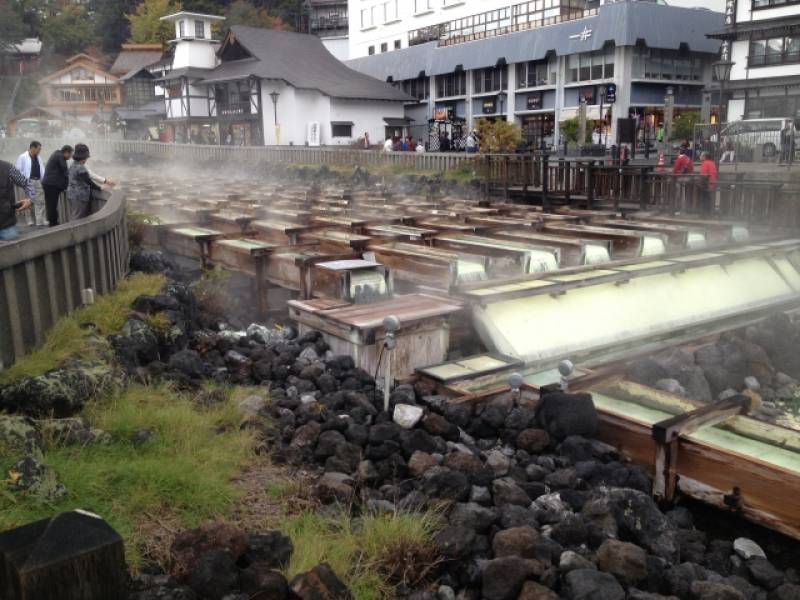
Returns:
(54,182)
(683,164)
(80,186)
(472,142)
(30,164)
(708,169)
(11,178)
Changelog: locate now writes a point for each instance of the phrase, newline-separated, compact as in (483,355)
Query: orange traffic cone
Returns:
(660,165)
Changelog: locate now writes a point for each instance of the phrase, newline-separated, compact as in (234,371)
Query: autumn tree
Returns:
(498,136)
(243,12)
(111,25)
(146,24)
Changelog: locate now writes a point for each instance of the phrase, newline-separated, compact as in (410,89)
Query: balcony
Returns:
(328,25)
(229,109)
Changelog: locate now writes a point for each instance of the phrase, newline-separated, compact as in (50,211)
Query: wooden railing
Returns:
(44,275)
(192,153)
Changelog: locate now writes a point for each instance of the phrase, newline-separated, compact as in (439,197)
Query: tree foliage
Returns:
(111,25)
(571,127)
(146,26)
(68,31)
(498,136)
(242,12)
(683,125)
(12,27)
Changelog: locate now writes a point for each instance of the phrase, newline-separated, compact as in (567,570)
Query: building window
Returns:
(397,44)
(199,30)
(452,84)
(181,28)
(667,64)
(82,75)
(174,89)
(490,80)
(390,11)
(384,47)
(418,88)
(770,107)
(591,65)
(534,73)
(366,18)
(371,50)
(774,51)
(770,3)
(423,5)
(342,130)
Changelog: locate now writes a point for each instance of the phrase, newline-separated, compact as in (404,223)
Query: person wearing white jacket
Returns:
(30,164)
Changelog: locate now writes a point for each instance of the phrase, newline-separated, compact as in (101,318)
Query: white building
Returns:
(762,38)
(262,86)
(533,65)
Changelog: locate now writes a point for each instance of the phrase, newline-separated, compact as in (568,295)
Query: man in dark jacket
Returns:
(56,178)
(9,178)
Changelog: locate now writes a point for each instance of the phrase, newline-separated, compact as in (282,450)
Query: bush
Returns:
(683,125)
(498,136)
(571,127)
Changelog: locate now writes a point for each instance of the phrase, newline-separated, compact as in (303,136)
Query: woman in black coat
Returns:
(55,181)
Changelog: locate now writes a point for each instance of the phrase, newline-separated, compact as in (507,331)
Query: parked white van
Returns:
(762,137)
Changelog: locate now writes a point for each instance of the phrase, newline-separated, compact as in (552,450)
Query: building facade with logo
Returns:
(762,39)
(260,86)
(622,58)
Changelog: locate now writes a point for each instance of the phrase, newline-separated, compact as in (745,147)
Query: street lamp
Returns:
(501,97)
(722,72)
(274,96)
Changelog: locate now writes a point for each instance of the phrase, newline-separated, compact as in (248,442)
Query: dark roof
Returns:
(301,61)
(134,60)
(768,27)
(622,23)
(152,109)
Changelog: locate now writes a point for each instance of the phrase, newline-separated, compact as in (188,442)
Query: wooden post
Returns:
(644,196)
(261,285)
(545,183)
(590,185)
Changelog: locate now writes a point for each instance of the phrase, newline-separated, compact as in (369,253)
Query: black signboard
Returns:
(535,101)
(611,93)
(489,106)
(587,93)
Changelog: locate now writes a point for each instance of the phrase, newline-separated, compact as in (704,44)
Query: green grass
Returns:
(369,555)
(279,490)
(183,472)
(74,335)
(465,174)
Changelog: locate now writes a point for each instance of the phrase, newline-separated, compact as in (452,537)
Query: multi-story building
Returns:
(762,39)
(378,26)
(261,86)
(533,62)
(327,19)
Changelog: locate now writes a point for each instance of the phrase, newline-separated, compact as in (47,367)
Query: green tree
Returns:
(290,11)
(68,31)
(571,127)
(111,26)
(12,27)
(498,136)
(243,12)
(145,23)
(683,125)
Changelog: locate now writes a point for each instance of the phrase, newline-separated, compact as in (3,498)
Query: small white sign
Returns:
(583,35)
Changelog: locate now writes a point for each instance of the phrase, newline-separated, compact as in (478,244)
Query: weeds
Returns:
(372,554)
(81,334)
(211,293)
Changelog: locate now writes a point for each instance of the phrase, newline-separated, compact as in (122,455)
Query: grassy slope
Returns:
(71,336)
(184,471)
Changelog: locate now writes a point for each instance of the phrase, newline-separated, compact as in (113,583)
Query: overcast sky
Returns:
(717,5)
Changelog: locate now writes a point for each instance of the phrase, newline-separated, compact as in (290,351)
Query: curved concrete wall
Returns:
(43,274)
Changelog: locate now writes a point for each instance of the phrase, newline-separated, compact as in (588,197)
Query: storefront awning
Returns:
(342,123)
(398,121)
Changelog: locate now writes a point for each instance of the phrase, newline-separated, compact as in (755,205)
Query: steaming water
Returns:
(739,233)
(367,285)
(653,246)
(595,254)
(470,270)
(542,261)
(696,240)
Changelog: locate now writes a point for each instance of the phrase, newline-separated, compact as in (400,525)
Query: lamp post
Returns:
(722,71)
(501,98)
(669,114)
(602,94)
(274,96)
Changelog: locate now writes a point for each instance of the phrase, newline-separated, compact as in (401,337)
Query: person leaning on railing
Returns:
(54,182)
(81,184)
(10,178)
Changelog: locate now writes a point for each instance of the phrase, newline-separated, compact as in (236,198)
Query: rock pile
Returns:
(761,358)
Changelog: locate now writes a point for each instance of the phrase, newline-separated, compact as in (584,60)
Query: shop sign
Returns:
(489,105)
(535,101)
(442,113)
(611,93)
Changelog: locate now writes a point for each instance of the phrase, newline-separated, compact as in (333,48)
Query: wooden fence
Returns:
(191,153)
(43,274)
